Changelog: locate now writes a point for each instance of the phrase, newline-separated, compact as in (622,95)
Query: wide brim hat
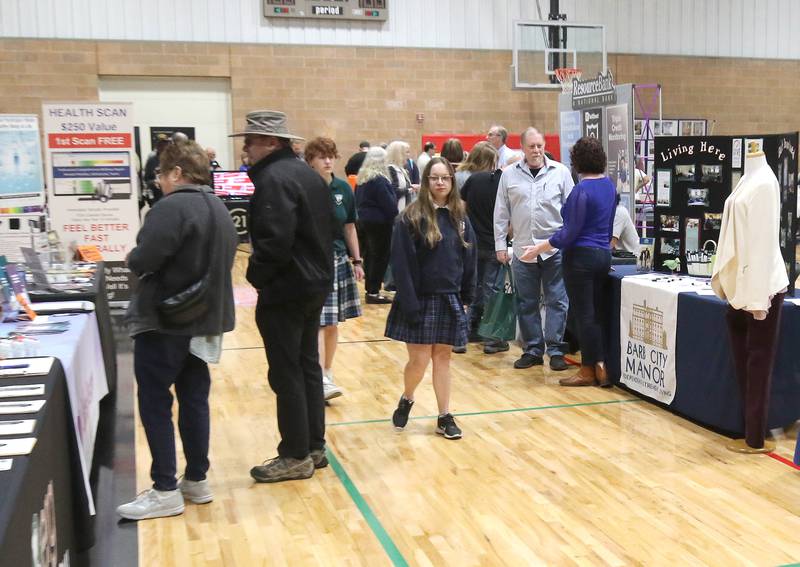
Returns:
(267,123)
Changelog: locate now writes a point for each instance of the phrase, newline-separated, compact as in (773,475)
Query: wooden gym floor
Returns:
(544,475)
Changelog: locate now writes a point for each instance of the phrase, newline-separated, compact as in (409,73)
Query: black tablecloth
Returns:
(97,295)
(706,389)
(24,488)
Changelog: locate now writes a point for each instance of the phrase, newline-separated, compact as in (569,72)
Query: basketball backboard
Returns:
(541,47)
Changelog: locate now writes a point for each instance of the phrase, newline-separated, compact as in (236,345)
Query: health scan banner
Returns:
(92,183)
(648,320)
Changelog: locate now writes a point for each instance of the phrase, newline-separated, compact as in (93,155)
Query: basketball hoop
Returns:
(565,76)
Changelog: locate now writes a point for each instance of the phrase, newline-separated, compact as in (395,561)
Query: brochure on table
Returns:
(693,177)
(600,109)
(92,182)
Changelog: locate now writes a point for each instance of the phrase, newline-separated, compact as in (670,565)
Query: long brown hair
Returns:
(483,157)
(421,214)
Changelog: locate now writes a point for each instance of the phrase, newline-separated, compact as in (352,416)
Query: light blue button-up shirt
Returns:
(530,206)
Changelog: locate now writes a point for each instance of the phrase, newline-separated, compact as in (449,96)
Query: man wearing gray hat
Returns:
(291,266)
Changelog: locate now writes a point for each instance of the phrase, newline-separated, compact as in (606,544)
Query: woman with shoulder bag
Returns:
(181,306)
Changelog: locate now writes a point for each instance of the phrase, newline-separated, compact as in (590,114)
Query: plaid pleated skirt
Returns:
(342,302)
(443,322)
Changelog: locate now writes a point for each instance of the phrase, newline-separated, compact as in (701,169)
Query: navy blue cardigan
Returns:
(419,270)
(376,201)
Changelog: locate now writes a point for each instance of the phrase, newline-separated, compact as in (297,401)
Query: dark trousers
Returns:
(487,268)
(378,237)
(159,362)
(753,344)
(289,331)
(585,274)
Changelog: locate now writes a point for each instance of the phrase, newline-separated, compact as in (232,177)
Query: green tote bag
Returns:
(499,319)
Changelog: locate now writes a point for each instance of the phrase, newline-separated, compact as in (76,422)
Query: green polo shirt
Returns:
(344,204)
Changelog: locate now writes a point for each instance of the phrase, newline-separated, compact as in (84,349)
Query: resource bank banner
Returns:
(648,324)
(91,182)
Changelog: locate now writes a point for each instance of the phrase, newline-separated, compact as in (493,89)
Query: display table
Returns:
(96,295)
(45,485)
(78,349)
(706,388)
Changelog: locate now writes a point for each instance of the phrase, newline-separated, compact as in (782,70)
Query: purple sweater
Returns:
(588,216)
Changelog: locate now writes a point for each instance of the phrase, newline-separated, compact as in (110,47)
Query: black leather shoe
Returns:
(528,360)
(377,299)
(558,363)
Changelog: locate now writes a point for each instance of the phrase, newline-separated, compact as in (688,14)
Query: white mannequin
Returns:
(749,269)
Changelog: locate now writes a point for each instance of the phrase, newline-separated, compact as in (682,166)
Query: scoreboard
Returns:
(362,10)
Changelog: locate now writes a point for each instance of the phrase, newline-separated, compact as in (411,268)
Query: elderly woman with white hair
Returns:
(376,202)
(397,154)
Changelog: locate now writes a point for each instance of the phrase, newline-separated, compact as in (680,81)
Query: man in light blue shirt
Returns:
(528,206)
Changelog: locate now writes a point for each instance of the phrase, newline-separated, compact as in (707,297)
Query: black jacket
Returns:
(172,253)
(419,270)
(480,194)
(291,229)
(354,163)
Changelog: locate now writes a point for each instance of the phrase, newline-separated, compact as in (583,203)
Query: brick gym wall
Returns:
(353,93)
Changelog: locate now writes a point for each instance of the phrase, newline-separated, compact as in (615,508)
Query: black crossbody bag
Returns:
(190,305)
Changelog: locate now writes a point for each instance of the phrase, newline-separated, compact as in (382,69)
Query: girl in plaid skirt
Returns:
(433,260)
(342,302)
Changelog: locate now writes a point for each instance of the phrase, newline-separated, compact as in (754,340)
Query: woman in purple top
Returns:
(585,240)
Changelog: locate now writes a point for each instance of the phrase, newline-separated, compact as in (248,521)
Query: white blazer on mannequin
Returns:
(749,269)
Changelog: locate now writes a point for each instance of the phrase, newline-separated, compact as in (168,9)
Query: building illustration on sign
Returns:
(647,326)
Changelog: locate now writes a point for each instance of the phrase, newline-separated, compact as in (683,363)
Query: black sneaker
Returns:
(558,363)
(460,349)
(495,346)
(446,425)
(528,360)
(400,415)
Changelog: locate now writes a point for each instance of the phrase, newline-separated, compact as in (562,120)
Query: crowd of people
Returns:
(435,230)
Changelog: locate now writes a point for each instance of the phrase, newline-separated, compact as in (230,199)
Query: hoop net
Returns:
(565,75)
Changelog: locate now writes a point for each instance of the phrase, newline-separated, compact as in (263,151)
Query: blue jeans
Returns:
(531,280)
(585,273)
(488,266)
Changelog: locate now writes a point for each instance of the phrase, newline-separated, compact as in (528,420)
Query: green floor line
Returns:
(487,412)
(375,525)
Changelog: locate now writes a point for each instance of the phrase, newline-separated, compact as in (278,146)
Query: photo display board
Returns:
(694,175)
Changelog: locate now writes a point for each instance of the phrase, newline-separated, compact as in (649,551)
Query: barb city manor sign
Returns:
(593,92)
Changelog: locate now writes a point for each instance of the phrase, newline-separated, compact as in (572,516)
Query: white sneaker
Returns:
(330,389)
(153,503)
(196,491)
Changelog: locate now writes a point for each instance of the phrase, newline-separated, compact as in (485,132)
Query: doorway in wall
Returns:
(186,103)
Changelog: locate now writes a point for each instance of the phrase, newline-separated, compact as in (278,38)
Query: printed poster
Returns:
(570,133)
(593,123)
(92,183)
(618,168)
(21,177)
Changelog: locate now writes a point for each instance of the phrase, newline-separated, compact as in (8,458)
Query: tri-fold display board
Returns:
(694,175)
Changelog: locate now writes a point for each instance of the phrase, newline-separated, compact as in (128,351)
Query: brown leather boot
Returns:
(602,375)
(584,377)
